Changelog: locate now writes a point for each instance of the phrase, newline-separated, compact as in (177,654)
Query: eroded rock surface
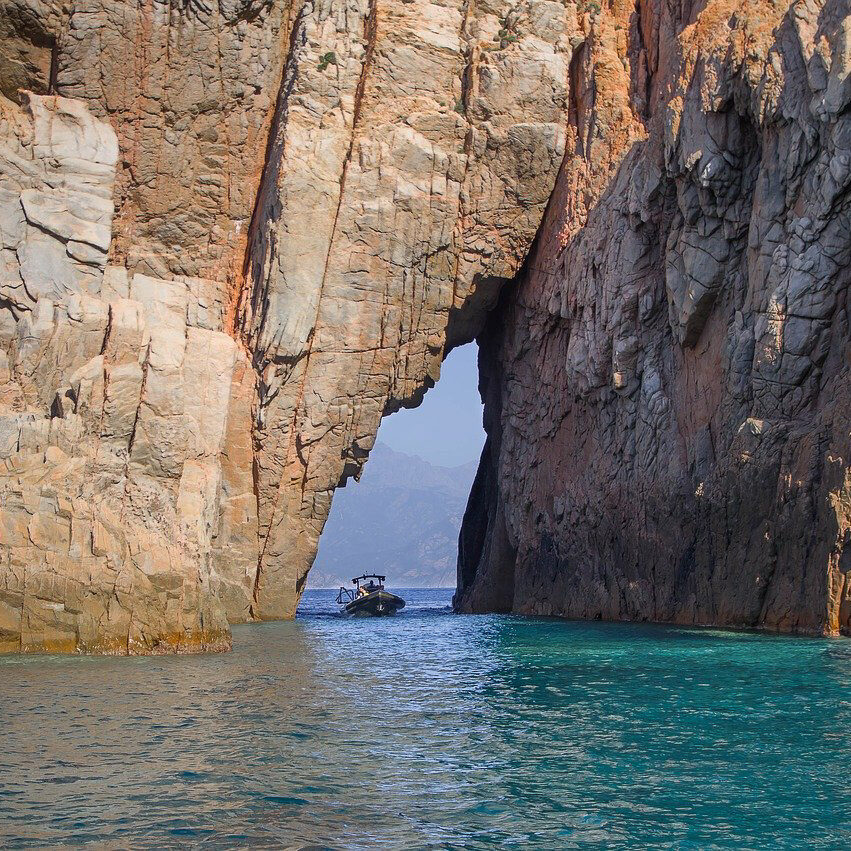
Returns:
(667,389)
(115,395)
(234,235)
(405,182)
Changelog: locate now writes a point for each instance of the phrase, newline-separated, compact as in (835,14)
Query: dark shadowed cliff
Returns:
(667,386)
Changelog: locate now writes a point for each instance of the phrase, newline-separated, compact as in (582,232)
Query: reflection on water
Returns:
(433,730)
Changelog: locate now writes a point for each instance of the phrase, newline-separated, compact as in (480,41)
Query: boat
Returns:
(368,598)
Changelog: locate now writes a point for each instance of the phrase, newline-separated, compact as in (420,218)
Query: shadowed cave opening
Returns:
(403,517)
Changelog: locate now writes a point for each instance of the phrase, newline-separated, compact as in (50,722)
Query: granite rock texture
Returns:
(404,184)
(233,235)
(667,387)
(115,394)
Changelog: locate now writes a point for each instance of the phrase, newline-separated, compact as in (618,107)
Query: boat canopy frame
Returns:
(346,595)
(358,579)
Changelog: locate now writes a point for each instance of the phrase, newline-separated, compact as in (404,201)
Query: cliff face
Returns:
(667,387)
(233,235)
(411,158)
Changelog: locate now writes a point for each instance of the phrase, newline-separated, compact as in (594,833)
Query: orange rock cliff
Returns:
(235,234)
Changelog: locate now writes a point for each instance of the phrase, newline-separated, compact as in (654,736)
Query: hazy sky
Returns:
(447,428)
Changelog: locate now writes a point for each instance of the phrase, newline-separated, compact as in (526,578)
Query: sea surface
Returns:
(432,730)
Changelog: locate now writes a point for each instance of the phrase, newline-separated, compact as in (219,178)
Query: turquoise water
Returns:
(433,730)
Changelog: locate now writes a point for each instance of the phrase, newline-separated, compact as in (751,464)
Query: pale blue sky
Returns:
(446,429)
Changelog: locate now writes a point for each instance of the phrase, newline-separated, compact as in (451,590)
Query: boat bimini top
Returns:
(369,597)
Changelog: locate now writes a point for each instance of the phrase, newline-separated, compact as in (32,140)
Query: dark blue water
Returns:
(432,730)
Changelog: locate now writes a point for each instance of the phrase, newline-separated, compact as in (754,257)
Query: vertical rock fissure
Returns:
(466,84)
(370,38)
(145,368)
(54,67)
(370,35)
(250,285)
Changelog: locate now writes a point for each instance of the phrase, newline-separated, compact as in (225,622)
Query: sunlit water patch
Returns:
(431,730)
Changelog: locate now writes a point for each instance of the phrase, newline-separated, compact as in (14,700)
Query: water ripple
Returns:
(435,731)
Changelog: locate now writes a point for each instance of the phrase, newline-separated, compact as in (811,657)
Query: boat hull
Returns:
(376,604)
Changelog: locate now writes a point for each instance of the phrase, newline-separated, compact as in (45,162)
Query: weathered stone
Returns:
(666,388)
(108,496)
(404,184)
(246,231)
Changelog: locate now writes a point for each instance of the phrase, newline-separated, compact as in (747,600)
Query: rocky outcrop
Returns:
(234,236)
(411,159)
(667,387)
(116,394)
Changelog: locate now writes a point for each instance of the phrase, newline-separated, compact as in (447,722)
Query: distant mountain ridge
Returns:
(402,519)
